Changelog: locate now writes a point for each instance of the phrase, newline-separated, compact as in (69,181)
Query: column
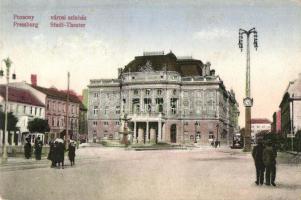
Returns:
(141,102)
(134,134)
(152,135)
(163,132)
(159,131)
(147,132)
(140,135)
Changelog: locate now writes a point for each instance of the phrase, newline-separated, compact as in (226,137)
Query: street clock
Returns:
(248,102)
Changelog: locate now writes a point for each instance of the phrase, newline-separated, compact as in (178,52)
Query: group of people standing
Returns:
(264,156)
(38,145)
(56,152)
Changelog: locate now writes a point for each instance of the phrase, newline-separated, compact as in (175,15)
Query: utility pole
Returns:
(67,109)
(8,63)
(248,101)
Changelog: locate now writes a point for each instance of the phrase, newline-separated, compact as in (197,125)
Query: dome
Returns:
(157,61)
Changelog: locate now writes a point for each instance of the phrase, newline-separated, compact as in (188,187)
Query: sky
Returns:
(117,31)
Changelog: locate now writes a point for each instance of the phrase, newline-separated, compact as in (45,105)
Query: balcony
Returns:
(143,116)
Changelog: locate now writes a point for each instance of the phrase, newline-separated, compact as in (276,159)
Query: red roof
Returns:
(20,95)
(260,121)
(56,94)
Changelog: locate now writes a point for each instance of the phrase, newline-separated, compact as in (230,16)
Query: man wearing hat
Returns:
(269,160)
(27,148)
(258,159)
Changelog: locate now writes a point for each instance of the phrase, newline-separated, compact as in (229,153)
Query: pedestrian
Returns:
(51,154)
(269,160)
(257,154)
(71,151)
(38,148)
(215,143)
(27,148)
(60,153)
(56,153)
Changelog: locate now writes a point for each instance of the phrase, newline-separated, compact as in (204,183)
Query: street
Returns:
(116,173)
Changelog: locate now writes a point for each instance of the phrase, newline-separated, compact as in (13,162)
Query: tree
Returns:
(12,121)
(38,125)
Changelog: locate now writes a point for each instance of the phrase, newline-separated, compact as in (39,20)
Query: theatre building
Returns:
(167,99)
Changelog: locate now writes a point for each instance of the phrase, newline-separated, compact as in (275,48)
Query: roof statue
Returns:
(147,67)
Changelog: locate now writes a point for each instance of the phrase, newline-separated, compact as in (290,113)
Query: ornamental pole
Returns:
(248,101)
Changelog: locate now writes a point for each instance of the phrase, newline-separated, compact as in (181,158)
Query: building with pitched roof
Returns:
(55,103)
(25,106)
(56,112)
(258,125)
(168,99)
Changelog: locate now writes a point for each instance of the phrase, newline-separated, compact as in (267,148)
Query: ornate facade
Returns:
(167,99)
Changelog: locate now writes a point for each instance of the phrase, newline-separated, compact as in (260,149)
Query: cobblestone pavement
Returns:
(115,173)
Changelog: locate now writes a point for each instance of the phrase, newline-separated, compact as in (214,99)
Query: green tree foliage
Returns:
(12,121)
(38,125)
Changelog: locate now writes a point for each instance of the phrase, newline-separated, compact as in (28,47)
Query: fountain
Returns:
(124,131)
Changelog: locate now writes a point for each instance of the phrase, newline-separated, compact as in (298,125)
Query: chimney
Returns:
(212,72)
(33,79)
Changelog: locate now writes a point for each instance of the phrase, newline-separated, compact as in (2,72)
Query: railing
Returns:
(147,114)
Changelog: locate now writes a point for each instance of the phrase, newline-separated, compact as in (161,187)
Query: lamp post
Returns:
(248,101)
(8,63)
(195,126)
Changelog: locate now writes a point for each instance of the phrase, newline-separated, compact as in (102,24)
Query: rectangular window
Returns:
(94,123)
(96,94)
(117,110)
(211,135)
(95,110)
(40,111)
(106,111)
(159,104)
(173,105)
(106,123)
(148,104)
(24,109)
(136,105)
(35,111)
(31,110)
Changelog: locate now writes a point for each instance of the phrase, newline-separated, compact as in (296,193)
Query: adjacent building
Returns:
(290,107)
(167,99)
(56,112)
(25,106)
(55,108)
(276,124)
(258,125)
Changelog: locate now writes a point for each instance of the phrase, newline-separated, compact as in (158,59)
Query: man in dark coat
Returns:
(38,148)
(27,149)
(71,152)
(56,153)
(61,154)
(269,160)
(258,159)
(51,155)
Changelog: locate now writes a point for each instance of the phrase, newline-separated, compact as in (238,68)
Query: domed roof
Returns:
(157,61)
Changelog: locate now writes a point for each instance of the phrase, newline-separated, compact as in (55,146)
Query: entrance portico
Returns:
(147,129)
